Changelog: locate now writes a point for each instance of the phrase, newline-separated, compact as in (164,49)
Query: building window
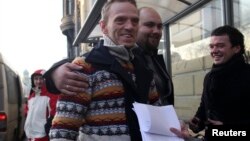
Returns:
(242,19)
(189,35)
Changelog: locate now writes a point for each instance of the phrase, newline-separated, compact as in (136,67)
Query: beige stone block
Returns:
(183,85)
(185,114)
(186,106)
(185,66)
(208,62)
(198,82)
(189,102)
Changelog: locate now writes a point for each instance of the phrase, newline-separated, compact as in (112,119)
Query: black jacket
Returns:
(162,78)
(226,93)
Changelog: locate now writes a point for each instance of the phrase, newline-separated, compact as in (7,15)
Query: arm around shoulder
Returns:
(48,76)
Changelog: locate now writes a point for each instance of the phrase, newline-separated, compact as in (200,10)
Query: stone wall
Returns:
(188,76)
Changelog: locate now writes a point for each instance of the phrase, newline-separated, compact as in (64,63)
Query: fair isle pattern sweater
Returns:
(98,112)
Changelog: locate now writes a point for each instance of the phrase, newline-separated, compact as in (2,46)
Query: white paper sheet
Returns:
(155,122)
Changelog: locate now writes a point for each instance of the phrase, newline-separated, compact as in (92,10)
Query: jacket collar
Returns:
(235,63)
(100,55)
(100,58)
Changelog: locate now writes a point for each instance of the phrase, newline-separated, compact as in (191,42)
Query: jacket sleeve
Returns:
(201,112)
(197,125)
(52,103)
(48,79)
(52,111)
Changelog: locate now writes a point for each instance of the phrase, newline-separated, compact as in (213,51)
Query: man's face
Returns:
(122,24)
(150,29)
(221,49)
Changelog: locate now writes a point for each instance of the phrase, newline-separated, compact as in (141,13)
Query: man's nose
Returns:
(130,24)
(214,49)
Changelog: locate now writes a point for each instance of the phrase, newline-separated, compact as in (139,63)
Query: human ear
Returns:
(103,27)
(237,49)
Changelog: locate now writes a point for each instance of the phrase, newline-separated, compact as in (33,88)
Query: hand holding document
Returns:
(155,122)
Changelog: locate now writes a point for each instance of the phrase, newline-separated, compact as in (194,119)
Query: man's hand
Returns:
(68,81)
(184,133)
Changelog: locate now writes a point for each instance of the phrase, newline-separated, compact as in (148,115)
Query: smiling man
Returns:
(226,92)
(148,39)
(116,77)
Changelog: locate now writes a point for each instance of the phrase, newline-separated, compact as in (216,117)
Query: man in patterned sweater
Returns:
(117,77)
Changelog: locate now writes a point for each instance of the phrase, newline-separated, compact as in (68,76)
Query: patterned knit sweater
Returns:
(99,113)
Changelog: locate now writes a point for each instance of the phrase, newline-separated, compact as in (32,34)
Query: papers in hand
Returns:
(155,122)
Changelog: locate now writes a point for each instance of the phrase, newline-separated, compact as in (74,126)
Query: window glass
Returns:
(161,48)
(166,8)
(242,19)
(189,36)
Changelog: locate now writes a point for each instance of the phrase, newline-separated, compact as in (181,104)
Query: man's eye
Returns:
(217,46)
(150,24)
(220,45)
(159,26)
(120,20)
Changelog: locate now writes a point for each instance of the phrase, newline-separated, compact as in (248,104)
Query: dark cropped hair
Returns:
(235,36)
(106,7)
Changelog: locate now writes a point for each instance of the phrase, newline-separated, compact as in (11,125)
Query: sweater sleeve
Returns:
(70,115)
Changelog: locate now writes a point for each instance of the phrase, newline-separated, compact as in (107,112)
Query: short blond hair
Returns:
(106,7)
